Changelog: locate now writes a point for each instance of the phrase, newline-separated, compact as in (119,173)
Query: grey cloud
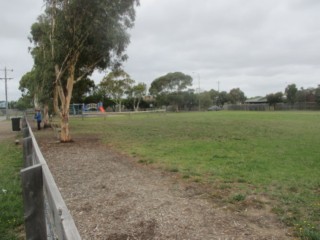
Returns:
(235,40)
(258,46)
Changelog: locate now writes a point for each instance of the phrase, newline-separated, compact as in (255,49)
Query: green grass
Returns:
(11,206)
(274,153)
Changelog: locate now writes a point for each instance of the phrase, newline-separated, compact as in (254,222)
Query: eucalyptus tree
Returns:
(291,93)
(214,95)
(168,88)
(274,98)
(116,85)
(38,83)
(82,36)
(236,96)
(222,98)
(136,93)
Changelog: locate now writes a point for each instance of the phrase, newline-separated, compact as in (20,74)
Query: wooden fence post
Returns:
(27,152)
(32,188)
(25,132)
(24,122)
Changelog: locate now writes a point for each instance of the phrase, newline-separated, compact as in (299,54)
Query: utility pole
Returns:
(6,88)
(198,90)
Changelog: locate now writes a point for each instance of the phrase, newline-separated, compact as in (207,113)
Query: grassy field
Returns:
(242,153)
(11,208)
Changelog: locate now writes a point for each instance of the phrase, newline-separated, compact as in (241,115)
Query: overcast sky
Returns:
(259,46)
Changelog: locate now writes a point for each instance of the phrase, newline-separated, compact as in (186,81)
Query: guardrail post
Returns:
(32,188)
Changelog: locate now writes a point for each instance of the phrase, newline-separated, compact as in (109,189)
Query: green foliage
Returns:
(222,98)
(92,33)
(11,209)
(291,93)
(71,40)
(136,93)
(236,96)
(115,85)
(168,89)
(82,87)
(214,95)
(307,231)
(274,98)
(171,82)
(238,198)
(205,100)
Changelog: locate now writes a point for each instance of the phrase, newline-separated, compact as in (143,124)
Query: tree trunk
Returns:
(45,116)
(120,105)
(65,134)
(136,107)
(65,105)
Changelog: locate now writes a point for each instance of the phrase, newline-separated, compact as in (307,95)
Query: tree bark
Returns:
(65,105)
(120,105)
(45,116)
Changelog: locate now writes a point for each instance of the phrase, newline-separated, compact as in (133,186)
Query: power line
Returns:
(6,87)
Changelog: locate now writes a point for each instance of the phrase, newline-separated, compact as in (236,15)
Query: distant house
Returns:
(2,104)
(256,100)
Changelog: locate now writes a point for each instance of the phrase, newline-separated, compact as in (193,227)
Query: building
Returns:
(2,104)
(256,100)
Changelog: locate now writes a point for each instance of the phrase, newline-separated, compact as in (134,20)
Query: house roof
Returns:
(257,100)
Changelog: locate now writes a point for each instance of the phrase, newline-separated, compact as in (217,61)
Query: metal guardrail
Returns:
(46,214)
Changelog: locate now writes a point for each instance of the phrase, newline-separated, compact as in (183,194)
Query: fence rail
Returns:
(46,214)
(125,113)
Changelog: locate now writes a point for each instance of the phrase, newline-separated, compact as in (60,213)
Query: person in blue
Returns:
(38,117)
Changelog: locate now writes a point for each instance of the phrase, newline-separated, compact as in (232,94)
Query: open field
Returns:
(238,154)
(11,208)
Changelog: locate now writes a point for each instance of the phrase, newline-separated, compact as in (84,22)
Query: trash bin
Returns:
(15,124)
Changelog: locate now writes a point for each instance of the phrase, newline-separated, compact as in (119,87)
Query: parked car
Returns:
(215,108)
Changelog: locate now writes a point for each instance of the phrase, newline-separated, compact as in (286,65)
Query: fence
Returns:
(46,214)
(307,106)
(247,107)
(126,113)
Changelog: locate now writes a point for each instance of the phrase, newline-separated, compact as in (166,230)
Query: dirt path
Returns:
(113,197)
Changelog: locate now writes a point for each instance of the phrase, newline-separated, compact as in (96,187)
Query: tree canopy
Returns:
(291,93)
(171,82)
(236,96)
(274,98)
(136,93)
(115,85)
(168,88)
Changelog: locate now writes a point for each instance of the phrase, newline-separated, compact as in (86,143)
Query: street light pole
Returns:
(6,88)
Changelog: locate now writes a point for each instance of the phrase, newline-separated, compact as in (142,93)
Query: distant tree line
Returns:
(118,91)
(294,95)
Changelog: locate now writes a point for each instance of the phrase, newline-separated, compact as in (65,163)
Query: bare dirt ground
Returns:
(112,196)
(6,129)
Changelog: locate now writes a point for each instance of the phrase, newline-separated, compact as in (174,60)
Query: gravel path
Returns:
(111,196)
